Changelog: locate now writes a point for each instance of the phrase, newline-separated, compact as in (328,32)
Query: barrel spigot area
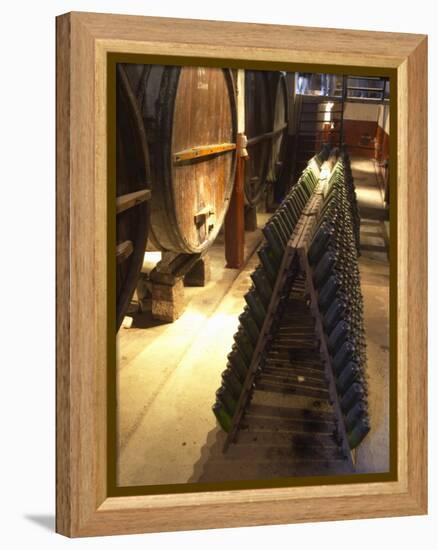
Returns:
(302,333)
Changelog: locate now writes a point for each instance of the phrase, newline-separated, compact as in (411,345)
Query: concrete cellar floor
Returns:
(168,373)
(373,454)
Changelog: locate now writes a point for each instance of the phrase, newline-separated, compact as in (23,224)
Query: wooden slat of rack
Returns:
(342,433)
(288,258)
(311,214)
(298,243)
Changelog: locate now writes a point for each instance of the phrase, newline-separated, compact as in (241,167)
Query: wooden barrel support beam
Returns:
(168,279)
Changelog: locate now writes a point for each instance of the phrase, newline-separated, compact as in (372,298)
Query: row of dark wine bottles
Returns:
(277,232)
(333,255)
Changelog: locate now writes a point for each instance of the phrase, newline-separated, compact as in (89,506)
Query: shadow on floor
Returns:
(210,452)
(47,521)
(145,320)
(373,213)
(263,459)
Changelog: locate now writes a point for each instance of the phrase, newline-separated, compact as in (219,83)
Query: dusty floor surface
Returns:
(373,454)
(168,373)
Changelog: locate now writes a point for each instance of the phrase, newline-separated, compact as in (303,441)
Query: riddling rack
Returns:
(301,333)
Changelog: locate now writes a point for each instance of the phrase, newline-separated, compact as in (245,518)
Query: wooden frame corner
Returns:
(84,43)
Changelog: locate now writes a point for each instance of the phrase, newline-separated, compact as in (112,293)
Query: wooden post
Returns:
(234,220)
(167,301)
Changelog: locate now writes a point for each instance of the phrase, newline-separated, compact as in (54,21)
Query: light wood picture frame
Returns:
(85,44)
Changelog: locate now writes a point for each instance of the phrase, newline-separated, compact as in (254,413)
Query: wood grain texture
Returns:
(83,505)
(63,411)
(417,274)
(184,108)
(252,41)
(203,114)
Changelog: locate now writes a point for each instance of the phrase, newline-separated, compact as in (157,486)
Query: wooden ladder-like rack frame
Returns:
(296,248)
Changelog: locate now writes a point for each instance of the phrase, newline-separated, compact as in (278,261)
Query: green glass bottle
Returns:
(238,362)
(244,344)
(281,227)
(294,207)
(223,416)
(256,307)
(249,325)
(269,263)
(359,431)
(293,216)
(287,219)
(356,412)
(231,382)
(350,374)
(354,394)
(224,396)
(273,239)
(319,243)
(262,285)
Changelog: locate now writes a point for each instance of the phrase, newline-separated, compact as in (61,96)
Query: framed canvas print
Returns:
(241,274)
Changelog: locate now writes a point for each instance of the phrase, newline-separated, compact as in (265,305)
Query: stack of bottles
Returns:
(352,198)
(333,255)
(277,233)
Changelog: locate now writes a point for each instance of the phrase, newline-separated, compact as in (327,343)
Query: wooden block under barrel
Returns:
(167,301)
(200,274)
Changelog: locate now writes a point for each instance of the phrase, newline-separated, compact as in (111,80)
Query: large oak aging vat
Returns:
(132,206)
(191,123)
(279,126)
(266,120)
(258,123)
